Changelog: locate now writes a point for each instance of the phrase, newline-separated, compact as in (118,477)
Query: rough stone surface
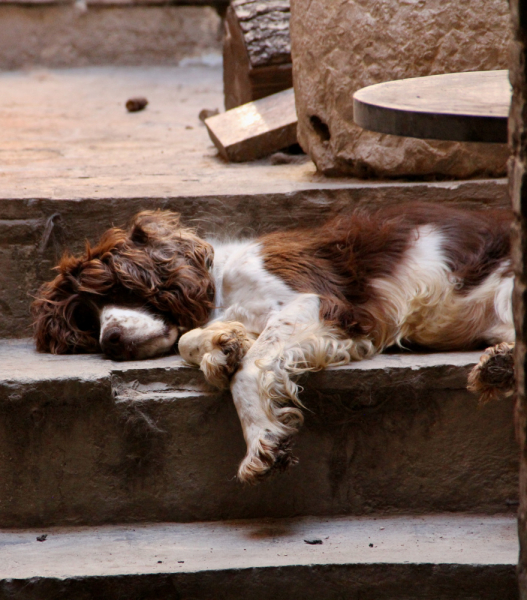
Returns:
(87,440)
(310,582)
(71,35)
(73,162)
(441,557)
(340,47)
(518,191)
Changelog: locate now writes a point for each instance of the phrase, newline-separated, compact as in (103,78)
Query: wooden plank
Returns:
(465,107)
(237,87)
(270,80)
(255,129)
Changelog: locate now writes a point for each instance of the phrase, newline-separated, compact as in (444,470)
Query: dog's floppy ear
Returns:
(65,311)
(65,315)
(167,266)
(150,226)
(158,228)
(65,326)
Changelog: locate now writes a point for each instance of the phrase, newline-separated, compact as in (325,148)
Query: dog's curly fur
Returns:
(217,350)
(285,303)
(493,377)
(155,263)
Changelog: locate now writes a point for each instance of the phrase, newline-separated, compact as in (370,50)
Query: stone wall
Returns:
(340,47)
(76,35)
(518,190)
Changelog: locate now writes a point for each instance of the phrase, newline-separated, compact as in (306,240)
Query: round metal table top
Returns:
(464,107)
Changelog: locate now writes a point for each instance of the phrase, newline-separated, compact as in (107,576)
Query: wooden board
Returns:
(255,129)
(256,50)
(465,107)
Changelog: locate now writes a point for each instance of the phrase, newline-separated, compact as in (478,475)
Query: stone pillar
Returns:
(340,47)
(518,189)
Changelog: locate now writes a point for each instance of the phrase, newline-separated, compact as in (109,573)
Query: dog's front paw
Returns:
(217,349)
(270,453)
(230,342)
(493,376)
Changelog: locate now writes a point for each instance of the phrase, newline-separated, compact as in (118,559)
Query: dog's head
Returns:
(131,295)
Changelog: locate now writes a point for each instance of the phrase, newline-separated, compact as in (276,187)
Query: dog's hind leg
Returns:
(264,390)
(493,377)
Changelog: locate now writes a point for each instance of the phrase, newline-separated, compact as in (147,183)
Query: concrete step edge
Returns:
(459,555)
(22,367)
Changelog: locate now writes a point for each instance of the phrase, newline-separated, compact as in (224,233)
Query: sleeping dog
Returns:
(254,314)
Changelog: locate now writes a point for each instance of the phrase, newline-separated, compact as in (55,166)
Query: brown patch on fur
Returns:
(476,242)
(156,263)
(339,260)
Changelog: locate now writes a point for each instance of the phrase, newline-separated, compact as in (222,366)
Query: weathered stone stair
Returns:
(119,463)
(385,558)
(88,441)
(85,440)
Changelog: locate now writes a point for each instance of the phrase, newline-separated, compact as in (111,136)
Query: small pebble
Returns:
(313,541)
(136,104)
(181,561)
(159,561)
(205,113)
(371,545)
(42,538)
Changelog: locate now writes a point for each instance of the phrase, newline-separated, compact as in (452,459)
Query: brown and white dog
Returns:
(285,303)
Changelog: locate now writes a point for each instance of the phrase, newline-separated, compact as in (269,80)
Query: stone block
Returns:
(338,48)
(85,440)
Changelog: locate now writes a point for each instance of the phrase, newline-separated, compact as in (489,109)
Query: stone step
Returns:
(437,557)
(84,440)
(74,162)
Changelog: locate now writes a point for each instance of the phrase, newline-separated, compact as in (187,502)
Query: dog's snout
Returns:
(114,337)
(134,334)
(112,342)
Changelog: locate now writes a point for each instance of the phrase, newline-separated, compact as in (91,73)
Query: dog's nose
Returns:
(111,343)
(114,337)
